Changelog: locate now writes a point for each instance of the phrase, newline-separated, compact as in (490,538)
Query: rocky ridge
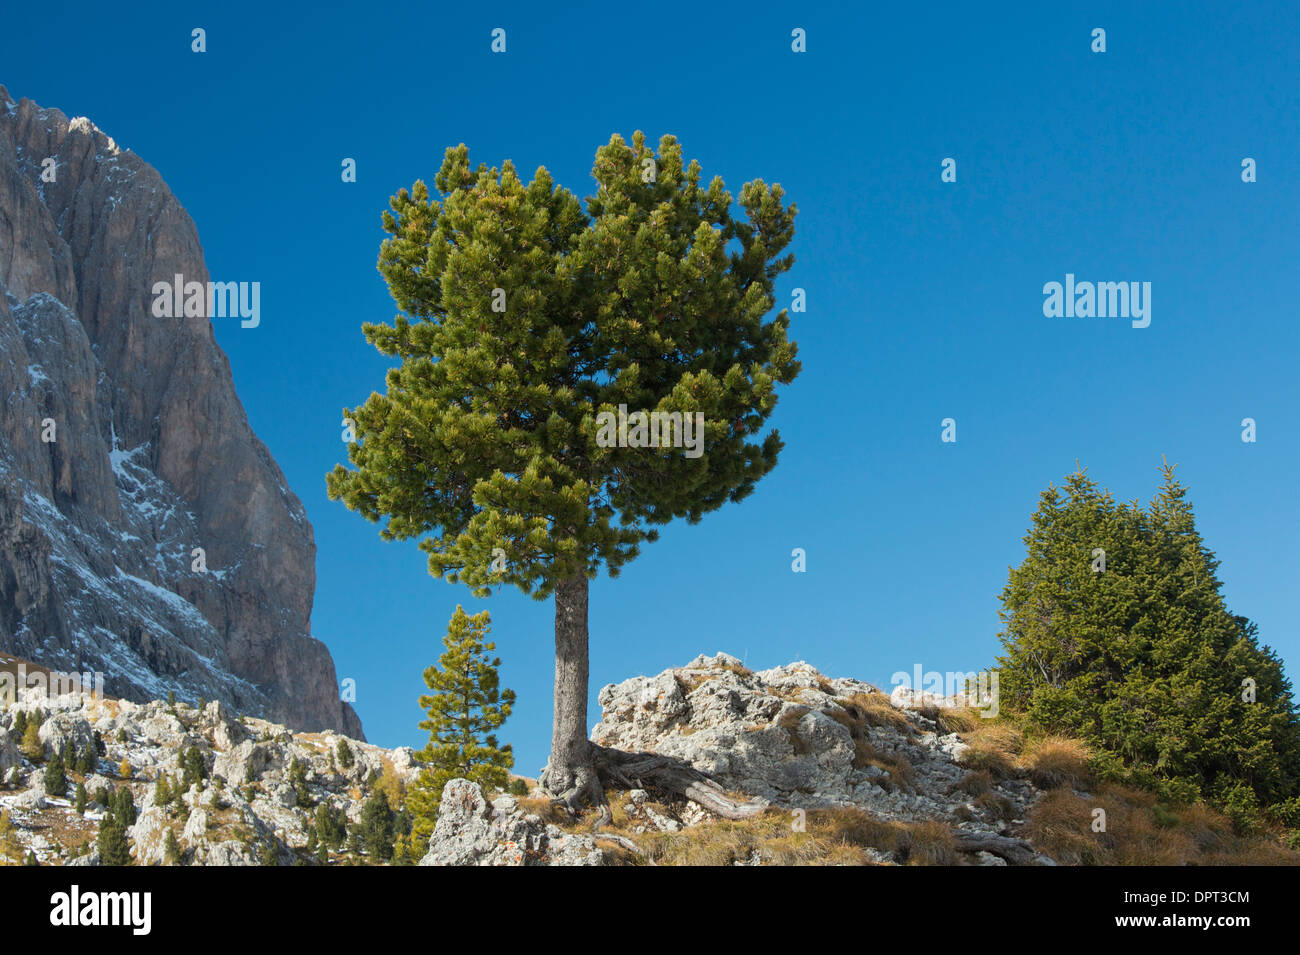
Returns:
(789,739)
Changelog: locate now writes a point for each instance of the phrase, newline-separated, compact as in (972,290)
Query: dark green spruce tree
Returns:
(377,826)
(114,847)
(466,707)
(1115,630)
(525,315)
(56,778)
(171,848)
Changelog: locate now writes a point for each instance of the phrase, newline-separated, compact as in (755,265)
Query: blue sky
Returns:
(924,298)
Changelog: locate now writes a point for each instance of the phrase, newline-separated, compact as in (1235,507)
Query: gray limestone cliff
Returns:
(124,448)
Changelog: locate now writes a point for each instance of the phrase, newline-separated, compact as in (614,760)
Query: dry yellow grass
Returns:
(975,783)
(994,747)
(874,709)
(829,837)
(928,843)
(546,809)
(1141,831)
(1055,761)
(963,720)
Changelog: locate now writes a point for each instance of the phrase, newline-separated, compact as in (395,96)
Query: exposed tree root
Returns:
(622,841)
(579,790)
(1014,851)
(650,770)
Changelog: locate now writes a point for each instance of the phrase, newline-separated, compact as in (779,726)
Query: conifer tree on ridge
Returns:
(523,316)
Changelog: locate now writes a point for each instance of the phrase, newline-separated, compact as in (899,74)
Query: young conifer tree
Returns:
(56,778)
(114,846)
(464,710)
(527,320)
(171,848)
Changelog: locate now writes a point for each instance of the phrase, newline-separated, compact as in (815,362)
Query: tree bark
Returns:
(570,774)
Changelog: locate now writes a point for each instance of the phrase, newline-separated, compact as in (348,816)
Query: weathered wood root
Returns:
(618,840)
(1015,851)
(584,791)
(642,770)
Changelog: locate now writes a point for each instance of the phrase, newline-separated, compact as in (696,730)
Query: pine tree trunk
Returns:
(570,774)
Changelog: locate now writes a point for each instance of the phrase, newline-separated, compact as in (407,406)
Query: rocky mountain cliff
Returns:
(124,450)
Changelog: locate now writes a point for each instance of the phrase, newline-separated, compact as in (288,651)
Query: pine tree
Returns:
(466,707)
(171,848)
(124,768)
(56,780)
(31,858)
(331,826)
(527,323)
(1142,658)
(79,799)
(20,723)
(86,759)
(123,808)
(195,770)
(298,780)
(377,826)
(114,847)
(344,752)
(162,792)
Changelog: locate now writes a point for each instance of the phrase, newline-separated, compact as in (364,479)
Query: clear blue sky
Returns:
(925,298)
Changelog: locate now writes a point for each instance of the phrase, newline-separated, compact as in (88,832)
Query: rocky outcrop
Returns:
(470,831)
(788,735)
(145,531)
(786,738)
(796,738)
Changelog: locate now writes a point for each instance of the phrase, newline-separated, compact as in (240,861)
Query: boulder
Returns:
(469,831)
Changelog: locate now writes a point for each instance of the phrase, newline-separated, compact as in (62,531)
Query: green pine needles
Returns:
(531,316)
(465,708)
(1116,632)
